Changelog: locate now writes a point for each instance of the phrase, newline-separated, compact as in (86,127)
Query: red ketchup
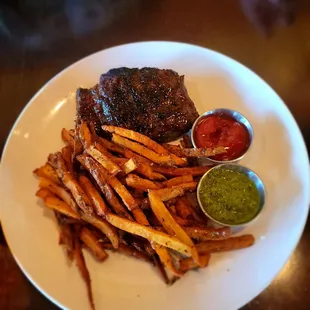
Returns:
(222,130)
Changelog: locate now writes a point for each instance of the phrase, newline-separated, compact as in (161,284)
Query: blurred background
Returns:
(40,38)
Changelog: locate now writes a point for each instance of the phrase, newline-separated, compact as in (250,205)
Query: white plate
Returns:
(278,155)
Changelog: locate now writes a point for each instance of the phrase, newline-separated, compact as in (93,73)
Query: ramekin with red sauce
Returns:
(226,128)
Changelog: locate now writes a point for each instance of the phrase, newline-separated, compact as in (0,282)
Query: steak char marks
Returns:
(151,101)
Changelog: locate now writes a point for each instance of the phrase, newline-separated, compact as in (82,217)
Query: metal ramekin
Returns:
(236,116)
(251,175)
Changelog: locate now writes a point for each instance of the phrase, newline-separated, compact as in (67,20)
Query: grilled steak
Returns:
(148,100)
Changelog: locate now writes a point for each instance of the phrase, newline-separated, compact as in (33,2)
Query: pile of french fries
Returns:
(131,195)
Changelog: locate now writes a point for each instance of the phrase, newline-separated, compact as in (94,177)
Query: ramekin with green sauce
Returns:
(231,195)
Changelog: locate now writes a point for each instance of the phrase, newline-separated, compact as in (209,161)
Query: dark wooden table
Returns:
(61,35)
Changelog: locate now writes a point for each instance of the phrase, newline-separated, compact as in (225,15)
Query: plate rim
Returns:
(48,82)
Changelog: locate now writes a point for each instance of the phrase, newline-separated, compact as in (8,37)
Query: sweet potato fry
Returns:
(171,171)
(150,234)
(80,262)
(146,141)
(189,264)
(179,180)
(56,204)
(92,243)
(169,193)
(135,181)
(48,172)
(85,135)
(230,244)
(60,192)
(130,251)
(170,225)
(104,160)
(142,150)
(206,234)
(57,161)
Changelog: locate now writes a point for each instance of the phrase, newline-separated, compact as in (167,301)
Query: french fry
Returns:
(138,137)
(187,142)
(194,152)
(43,193)
(230,244)
(92,243)
(185,210)
(120,189)
(85,135)
(101,210)
(161,268)
(142,150)
(191,186)
(171,171)
(206,234)
(150,234)
(170,224)
(67,137)
(129,250)
(95,170)
(99,205)
(59,191)
(129,166)
(146,171)
(104,160)
(187,264)
(166,259)
(169,193)
(146,141)
(204,152)
(56,204)
(67,156)
(80,262)
(66,237)
(57,161)
(183,222)
(135,181)
(179,180)
(48,172)
(111,146)
(104,227)
(70,139)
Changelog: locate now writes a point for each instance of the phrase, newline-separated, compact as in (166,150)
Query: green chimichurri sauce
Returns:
(229,196)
